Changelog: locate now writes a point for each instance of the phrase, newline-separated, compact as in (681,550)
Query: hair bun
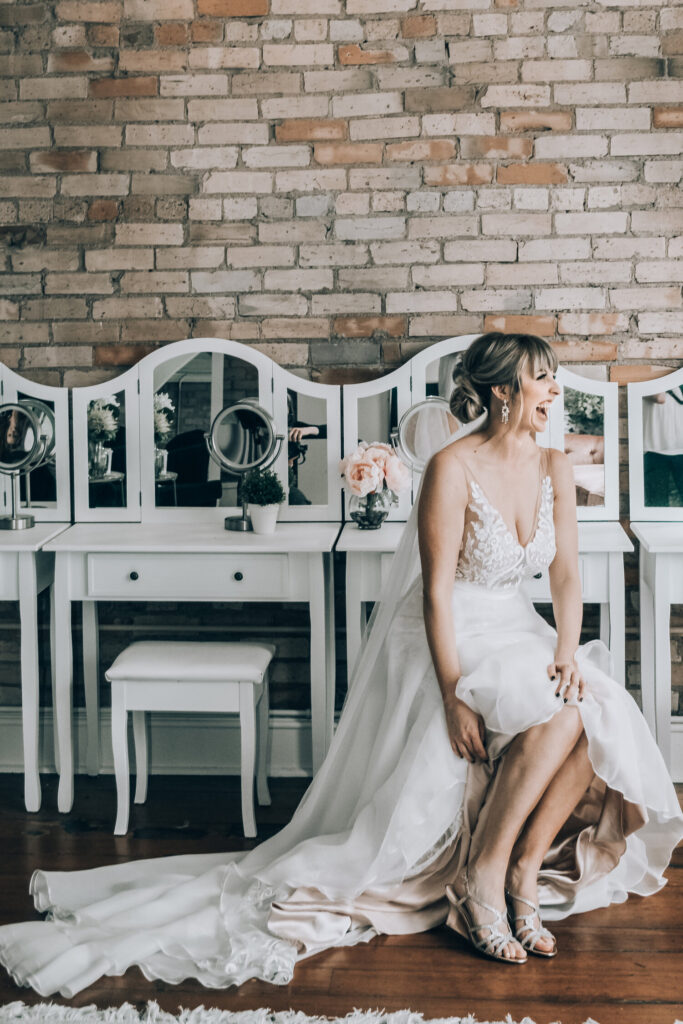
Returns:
(466,400)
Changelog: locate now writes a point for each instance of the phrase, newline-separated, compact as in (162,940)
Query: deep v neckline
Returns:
(496,511)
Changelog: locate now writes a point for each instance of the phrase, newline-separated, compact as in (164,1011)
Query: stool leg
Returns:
(140,741)
(262,791)
(248,755)
(119,743)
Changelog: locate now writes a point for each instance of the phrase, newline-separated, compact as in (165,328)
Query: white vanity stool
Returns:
(190,676)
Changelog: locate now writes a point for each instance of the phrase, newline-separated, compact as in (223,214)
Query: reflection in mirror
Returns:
(107,452)
(423,428)
(189,392)
(584,443)
(306,449)
(439,376)
(39,485)
(19,439)
(378,416)
(663,448)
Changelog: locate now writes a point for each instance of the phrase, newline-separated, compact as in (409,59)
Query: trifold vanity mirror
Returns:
(655,448)
(409,406)
(34,452)
(179,429)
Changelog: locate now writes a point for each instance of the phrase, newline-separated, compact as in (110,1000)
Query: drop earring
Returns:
(505,411)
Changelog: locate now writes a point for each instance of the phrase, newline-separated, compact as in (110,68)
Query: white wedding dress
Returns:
(387,820)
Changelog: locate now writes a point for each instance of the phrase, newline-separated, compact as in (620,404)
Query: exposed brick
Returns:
(532,174)
(120,355)
(206,32)
(124,87)
(233,8)
(418,26)
(90,10)
(544,326)
(369,326)
(585,351)
(103,210)
(308,129)
(69,160)
(592,323)
(629,374)
(348,153)
(171,34)
(78,60)
(103,35)
(354,54)
(437,149)
(443,98)
(459,174)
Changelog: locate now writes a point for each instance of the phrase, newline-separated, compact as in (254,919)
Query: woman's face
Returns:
(538,390)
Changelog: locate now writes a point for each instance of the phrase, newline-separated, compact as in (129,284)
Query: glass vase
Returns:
(370,511)
(99,460)
(160,463)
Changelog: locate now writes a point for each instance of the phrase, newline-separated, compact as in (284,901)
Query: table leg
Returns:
(91,681)
(617,615)
(64,682)
(53,675)
(647,645)
(330,645)
(316,604)
(354,612)
(662,668)
(30,710)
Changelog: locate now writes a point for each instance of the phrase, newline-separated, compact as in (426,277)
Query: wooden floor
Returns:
(623,965)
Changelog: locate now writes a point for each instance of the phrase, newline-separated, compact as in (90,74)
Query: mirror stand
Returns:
(241,523)
(15,521)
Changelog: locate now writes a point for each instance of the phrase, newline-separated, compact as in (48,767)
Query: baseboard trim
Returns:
(179,744)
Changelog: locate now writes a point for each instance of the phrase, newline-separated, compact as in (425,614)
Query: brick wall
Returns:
(338,183)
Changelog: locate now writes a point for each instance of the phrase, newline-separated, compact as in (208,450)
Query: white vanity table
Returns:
(601,567)
(171,562)
(26,569)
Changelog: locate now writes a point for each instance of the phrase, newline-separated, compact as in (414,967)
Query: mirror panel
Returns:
(190,390)
(106,425)
(439,376)
(663,448)
(584,443)
(378,416)
(306,449)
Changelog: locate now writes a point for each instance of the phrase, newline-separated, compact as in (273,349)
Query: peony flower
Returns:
(397,474)
(362,475)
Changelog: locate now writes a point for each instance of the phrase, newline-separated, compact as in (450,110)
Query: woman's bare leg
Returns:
(530,763)
(559,800)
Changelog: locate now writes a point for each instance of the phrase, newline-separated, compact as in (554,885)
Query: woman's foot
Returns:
(484,916)
(525,919)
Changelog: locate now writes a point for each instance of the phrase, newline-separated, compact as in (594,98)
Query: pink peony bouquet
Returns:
(373,467)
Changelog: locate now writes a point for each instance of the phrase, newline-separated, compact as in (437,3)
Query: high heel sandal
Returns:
(494,940)
(527,934)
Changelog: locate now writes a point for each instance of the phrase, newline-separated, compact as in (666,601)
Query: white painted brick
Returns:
(204,209)
(591,223)
(645,298)
(567,198)
(211,156)
(339,82)
(388,202)
(530,198)
(367,104)
(95,185)
(239,181)
(217,110)
(602,197)
(458,201)
(516,96)
(52,88)
(243,208)
(310,30)
(470,51)
(564,47)
(193,85)
(656,221)
(476,249)
(385,178)
(494,199)
(142,308)
(675,247)
(350,203)
(373,279)
(272,305)
(212,58)
(237,133)
(664,171)
(261,256)
(459,124)
(370,228)
(521,273)
(221,281)
(292,232)
(297,55)
(319,180)
(277,156)
(159,135)
(149,234)
(119,259)
(386,253)
(313,8)
(295,106)
(526,23)
(552,147)
(199,256)
(666,143)
(299,280)
(333,255)
(430,51)
(379,6)
(276,29)
(556,71)
(634,46)
(596,272)
(349,30)
(312,206)
(422,302)
(384,128)
(604,170)
(661,91)
(590,94)
(612,118)
(519,47)
(658,323)
(489,24)
(604,22)
(650,272)
(512,299)
(354,302)
(423,202)
(392,76)
(570,298)
(454,276)
(626,248)
(443,227)
(382,29)
(163,282)
(515,224)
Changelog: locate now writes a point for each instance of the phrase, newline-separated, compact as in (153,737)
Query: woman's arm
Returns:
(565,586)
(441,518)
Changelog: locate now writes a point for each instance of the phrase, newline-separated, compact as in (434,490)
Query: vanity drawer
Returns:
(186,576)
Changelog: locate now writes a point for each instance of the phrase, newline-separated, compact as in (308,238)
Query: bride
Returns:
(486,769)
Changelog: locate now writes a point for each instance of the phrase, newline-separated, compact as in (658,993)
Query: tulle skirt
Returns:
(382,829)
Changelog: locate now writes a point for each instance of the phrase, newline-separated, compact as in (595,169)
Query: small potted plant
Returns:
(263,493)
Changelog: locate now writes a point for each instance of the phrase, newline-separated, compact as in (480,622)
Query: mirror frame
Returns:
(11,385)
(638,510)
(25,464)
(235,467)
(413,462)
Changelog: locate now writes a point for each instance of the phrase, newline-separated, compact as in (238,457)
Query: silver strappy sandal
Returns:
(527,934)
(489,939)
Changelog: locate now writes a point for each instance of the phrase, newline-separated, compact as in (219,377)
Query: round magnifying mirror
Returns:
(421,430)
(46,428)
(242,437)
(20,438)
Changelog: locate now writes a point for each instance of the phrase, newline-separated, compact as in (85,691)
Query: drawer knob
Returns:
(238,576)
(134,575)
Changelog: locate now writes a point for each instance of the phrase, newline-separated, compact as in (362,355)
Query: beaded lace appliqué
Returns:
(492,556)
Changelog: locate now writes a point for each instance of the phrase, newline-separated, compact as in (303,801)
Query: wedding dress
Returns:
(387,821)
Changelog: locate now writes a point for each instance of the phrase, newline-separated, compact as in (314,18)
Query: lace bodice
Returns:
(491,555)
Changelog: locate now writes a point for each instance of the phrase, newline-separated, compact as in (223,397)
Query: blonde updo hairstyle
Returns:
(495,359)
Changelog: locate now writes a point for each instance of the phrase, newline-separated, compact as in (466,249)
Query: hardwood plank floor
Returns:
(619,965)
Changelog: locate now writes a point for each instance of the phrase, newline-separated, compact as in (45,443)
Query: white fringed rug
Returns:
(51,1013)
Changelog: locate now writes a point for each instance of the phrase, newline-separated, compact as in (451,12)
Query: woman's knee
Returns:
(566,724)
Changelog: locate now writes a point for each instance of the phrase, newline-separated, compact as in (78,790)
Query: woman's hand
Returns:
(297,433)
(569,682)
(466,730)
